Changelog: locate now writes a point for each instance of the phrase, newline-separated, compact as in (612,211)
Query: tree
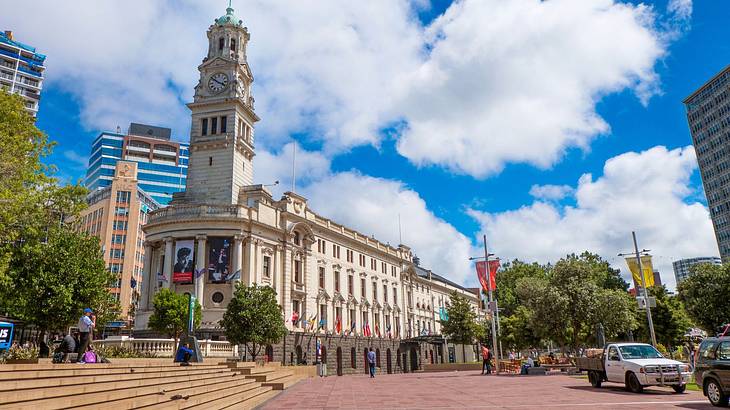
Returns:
(517,333)
(670,319)
(170,315)
(705,295)
(461,325)
(52,282)
(253,318)
(507,280)
(579,293)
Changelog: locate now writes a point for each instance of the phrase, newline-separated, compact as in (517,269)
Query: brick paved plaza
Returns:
(470,390)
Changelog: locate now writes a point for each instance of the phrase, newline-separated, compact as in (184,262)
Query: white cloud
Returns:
(490,82)
(372,205)
(311,166)
(76,160)
(551,192)
(518,81)
(645,192)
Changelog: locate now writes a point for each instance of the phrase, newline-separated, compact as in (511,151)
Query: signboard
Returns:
(6,335)
(182,271)
(642,302)
(219,261)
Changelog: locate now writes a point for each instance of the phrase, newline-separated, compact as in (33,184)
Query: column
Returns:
(251,256)
(169,260)
(146,277)
(199,279)
(284,267)
(237,259)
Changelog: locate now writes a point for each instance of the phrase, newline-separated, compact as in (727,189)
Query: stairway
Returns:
(155,384)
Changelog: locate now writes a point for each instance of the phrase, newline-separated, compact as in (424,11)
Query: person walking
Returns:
(486,359)
(86,327)
(371,362)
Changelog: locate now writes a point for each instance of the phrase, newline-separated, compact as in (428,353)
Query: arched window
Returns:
(221,42)
(377,357)
(353,359)
(233,44)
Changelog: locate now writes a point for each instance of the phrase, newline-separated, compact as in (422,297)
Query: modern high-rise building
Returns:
(162,163)
(21,70)
(681,267)
(116,214)
(708,114)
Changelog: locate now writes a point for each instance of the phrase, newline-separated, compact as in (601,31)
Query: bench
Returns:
(537,371)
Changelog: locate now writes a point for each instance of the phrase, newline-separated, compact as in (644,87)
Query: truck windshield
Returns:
(639,352)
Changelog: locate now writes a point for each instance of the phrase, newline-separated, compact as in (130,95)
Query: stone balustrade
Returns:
(196,211)
(166,347)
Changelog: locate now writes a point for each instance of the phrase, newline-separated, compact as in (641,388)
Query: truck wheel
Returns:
(632,384)
(594,378)
(679,389)
(715,394)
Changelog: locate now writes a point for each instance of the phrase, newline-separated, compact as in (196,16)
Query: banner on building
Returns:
(219,261)
(646,267)
(482,274)
(182,272)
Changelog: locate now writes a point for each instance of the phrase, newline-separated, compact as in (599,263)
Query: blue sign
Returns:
(6,335)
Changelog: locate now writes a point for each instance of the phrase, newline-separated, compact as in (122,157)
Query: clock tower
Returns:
(223,118)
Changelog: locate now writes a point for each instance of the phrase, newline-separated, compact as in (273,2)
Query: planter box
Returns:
(22,361)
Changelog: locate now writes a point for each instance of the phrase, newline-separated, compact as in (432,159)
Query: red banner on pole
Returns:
(482,274)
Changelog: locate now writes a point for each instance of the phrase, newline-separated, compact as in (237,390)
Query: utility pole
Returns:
(646,292)
(489,305)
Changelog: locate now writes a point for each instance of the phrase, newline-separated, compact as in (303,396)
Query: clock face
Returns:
(218,82)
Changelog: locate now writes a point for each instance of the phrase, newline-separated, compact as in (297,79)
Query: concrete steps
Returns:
(155,385)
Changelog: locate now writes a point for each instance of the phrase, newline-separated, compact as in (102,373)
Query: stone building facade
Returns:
(357,290)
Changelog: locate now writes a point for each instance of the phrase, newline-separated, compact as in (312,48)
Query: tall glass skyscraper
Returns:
(21,70)
(708,114)
(162,164)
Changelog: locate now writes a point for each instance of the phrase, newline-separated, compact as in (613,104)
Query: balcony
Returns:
(187,212)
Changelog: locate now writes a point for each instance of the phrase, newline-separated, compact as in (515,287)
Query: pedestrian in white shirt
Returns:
(86,327)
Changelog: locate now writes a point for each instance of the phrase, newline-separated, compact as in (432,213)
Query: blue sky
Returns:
(444,155)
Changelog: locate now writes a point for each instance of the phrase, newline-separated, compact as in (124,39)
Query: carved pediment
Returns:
(396,309)
(377,305)
(321,262)
(337,266)
(350,270)
(363,274)
(364,302)
(351,301)
(323,295)
(386,307)
(338,298)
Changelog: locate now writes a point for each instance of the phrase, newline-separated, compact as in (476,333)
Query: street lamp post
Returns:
(491,303)
(645,292)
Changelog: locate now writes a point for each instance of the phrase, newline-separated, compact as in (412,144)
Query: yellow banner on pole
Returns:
(646,266)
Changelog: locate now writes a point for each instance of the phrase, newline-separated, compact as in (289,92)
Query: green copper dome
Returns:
(229,18)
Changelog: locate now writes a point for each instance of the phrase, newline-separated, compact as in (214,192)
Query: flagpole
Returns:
(489,306)
(646,291)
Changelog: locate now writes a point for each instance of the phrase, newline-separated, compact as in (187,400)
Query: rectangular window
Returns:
(385,293)
(123,197)
(395,296)
(392,271)
(204,126)
(384,267)
(373,264)
(267,266)
(214,125)
(362,260)
(323,313)
(321,277)
(336,251)
(298,271)
(375,291)
(295,308)
(362,287)
(349,254)
(337,281)
(350,285)
(224,119)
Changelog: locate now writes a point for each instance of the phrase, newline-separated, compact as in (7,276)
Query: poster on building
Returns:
(219,261)
(182,271)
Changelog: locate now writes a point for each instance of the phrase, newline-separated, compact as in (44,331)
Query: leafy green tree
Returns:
(706,296)
(517,332)
(253,318)
(52,282)
(170,314)
(670,319)
(507,279)
(461,327)
(579,293)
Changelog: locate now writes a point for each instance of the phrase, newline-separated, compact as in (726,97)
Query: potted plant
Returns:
(18,354)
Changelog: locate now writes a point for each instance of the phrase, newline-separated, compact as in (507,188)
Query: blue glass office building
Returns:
(162,163)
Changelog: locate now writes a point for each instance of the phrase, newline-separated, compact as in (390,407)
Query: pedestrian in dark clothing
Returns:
(486,359)
(67,346)
(371,362)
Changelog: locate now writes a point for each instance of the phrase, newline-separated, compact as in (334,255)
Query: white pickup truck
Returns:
(636,365)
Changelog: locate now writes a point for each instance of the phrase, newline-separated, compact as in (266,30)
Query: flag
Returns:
(161,276)
(443,314)
(322,324)
(387,331)
(377,330)
(338,326)
(199,272)
(482,274)
(646,266)
(312,322)
(352,327)
(319,349)
(295,317)
(366,330)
